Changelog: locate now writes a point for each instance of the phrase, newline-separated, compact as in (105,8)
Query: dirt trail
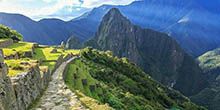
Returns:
(58,96)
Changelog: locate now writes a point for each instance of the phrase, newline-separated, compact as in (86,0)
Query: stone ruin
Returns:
(12,56)
(6,43)
(54,51)
(28,54)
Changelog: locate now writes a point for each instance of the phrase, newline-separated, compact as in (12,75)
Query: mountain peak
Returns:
(148,49)
(114,11)
(114,15)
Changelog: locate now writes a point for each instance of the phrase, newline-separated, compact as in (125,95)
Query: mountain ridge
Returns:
(156,53)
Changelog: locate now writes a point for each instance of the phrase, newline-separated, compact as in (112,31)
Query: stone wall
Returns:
(7,95)
(18,93)
(28,86)
(6,43)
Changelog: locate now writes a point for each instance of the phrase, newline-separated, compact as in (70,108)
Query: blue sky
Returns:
(62,9)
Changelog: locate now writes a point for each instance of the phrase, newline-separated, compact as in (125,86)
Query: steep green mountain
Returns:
(121,84)
(210,96)
(155,52)
(73,43)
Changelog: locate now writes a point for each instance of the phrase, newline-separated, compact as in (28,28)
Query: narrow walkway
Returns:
(58,96)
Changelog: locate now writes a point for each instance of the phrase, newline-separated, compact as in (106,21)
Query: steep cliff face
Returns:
(157,53)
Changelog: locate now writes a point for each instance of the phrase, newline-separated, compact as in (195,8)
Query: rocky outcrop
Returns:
(157,53)
(6,43)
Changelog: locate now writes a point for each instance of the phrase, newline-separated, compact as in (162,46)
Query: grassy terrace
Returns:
(43,53)
(20,47)
(15,66)
(48,58)
(83,91)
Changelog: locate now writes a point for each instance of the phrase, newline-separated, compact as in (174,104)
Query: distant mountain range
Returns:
(46,31)
(193,23)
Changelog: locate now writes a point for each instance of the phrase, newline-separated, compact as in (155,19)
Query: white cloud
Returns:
(96,3)
(17,7)
(42,8)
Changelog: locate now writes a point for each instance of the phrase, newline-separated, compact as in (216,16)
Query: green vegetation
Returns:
(16,66)
(42,55)
(209,97)
(121,84)
(6,33)
(80,71)
(45,54)
(210,60)
(19,48)
(49,59)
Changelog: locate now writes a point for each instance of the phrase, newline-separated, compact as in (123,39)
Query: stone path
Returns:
(58,96)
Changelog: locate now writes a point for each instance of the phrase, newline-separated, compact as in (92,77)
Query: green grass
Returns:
(89,98)
(8,52)
(20,47)
(48,58)
(50,65)
(82,73)
(44,54)
(91,103)
(12,64)
(121,84)
(74,52)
